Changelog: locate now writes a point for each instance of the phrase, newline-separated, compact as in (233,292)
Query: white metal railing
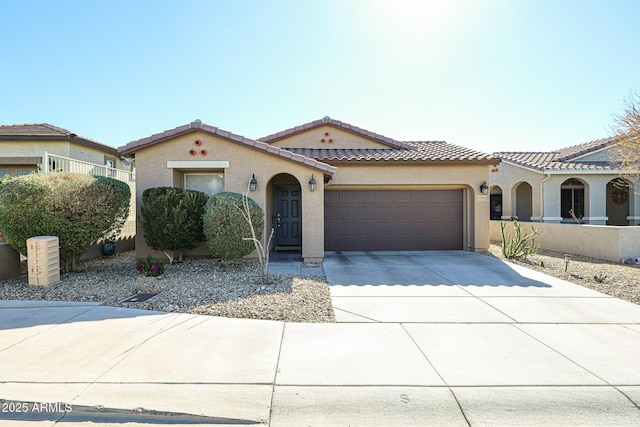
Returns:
(55,163)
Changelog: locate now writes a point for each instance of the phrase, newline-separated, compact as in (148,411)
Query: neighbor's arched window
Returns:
(572,198)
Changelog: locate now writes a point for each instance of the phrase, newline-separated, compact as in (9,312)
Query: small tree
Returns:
(226,228)
(627,129)
(262,250)
(79,209)
(172,219)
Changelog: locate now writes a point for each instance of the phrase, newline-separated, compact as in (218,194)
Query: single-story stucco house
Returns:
(548,186)
(329,186)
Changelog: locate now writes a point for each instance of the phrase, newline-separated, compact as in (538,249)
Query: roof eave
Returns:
(411,162)
(587,172)
(131,148)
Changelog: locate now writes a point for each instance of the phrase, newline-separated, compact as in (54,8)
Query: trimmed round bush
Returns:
(79,209)
(225,227)
(172,219)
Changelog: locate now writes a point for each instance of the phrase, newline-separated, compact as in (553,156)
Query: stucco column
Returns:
(551,213)
(313,220)
(536,208)
(481,220)
(596,213)
(634,204)
(507,208)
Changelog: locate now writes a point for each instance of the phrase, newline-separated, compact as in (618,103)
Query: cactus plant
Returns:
(517,245)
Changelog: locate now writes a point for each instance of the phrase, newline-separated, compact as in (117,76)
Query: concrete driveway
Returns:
(437,338)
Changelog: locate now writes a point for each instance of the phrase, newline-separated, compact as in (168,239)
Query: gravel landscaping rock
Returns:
(205,286)
(615,279)
(198,286)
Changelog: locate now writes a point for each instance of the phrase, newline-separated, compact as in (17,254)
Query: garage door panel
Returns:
(365,227)
(393,220)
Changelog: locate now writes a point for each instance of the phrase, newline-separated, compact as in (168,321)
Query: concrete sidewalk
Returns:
(517,348)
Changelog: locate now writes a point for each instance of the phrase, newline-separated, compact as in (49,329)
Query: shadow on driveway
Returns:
(445,268)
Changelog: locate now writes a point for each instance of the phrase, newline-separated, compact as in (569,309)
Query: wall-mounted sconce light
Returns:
(484,188)
(312,183)
(253,183)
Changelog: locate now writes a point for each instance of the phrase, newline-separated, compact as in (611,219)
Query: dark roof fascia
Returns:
(381,139)
(193,127)
(20,160)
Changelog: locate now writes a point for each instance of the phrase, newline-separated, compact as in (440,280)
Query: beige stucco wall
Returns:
(427,177)
(508,178)
(340,139)
(152,171)
(612,243)
(33,148)
(93,155)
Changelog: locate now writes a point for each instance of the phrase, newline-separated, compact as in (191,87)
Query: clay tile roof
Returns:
(416,151)
(45,131)
(530,159)
(336,123)
(139,144)
(563,159)
(582,149)
(35,129)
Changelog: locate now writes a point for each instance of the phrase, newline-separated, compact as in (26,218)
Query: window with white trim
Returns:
(208,183)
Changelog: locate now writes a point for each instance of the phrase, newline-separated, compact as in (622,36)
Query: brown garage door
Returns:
(378,220)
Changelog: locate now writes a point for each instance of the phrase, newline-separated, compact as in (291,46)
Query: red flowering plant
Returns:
(149,266)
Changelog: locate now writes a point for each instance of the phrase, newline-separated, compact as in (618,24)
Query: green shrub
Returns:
(172,219)
(225,227)
(79,209)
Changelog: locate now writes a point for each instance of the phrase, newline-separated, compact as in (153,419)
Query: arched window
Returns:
(495,203)
(572,198)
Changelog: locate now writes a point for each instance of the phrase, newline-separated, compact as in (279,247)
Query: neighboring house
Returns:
(32,147)
(549,186)
(329,186)
(44,148)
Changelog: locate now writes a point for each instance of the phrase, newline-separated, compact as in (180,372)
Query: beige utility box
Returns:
(43,258)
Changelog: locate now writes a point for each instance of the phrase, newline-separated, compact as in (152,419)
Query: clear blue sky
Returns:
(492,75)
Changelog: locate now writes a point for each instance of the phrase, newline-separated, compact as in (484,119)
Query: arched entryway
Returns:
(284,210)
(618,201)
(495,203)
(572,200)
(524,202)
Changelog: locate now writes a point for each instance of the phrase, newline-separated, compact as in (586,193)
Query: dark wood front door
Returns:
(287,215)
